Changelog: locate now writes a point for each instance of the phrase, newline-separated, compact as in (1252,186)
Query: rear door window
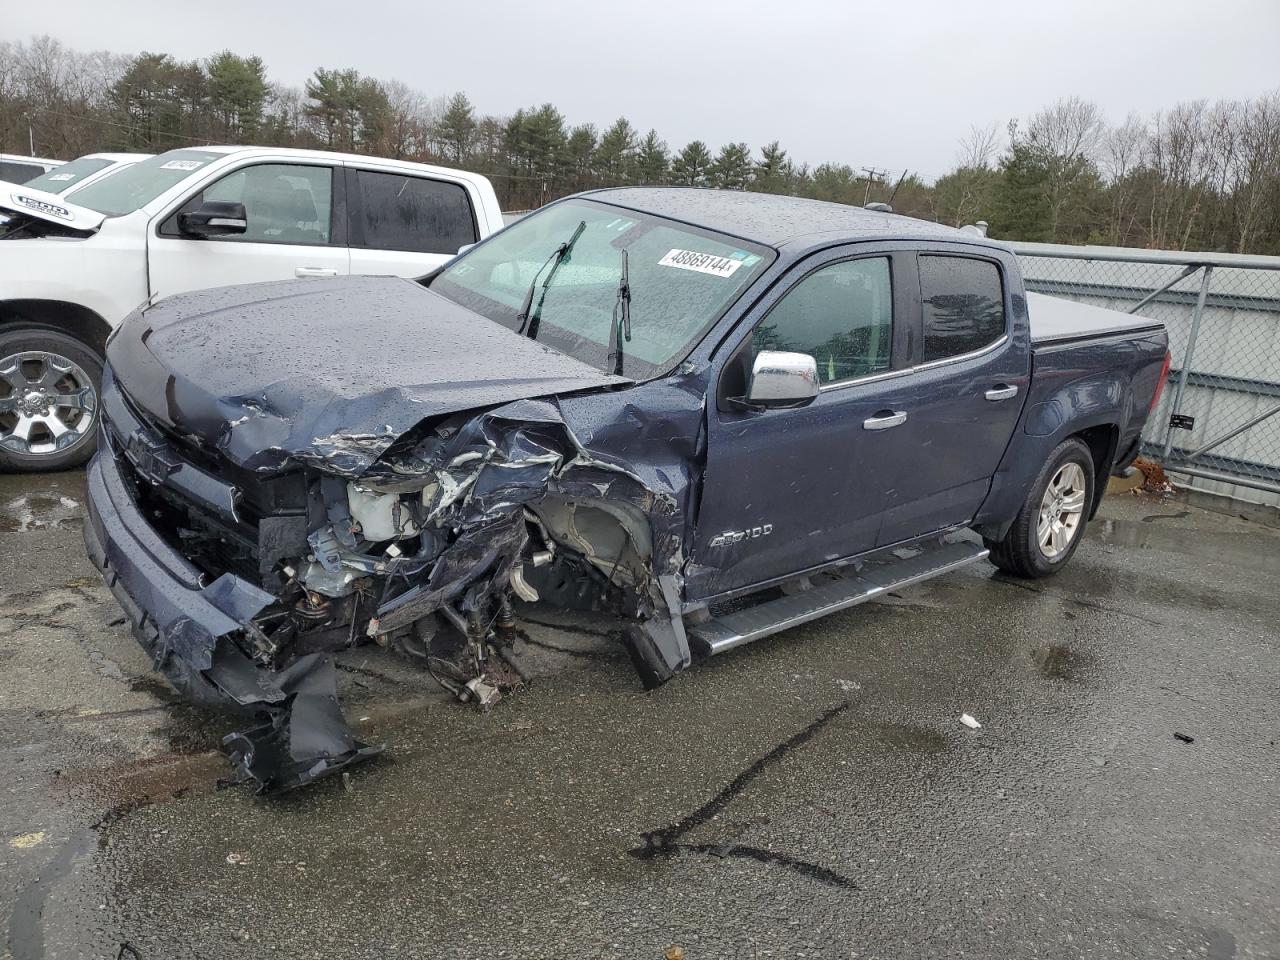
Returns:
(963,303)
(413,214)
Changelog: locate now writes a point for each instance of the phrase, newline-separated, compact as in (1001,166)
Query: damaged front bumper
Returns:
(187,628)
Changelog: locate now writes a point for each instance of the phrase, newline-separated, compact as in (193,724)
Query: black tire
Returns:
(1020,552)
(19,340)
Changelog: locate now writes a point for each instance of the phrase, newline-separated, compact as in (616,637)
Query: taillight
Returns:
(1160,381)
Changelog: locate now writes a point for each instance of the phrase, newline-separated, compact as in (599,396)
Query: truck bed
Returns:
(1055,320)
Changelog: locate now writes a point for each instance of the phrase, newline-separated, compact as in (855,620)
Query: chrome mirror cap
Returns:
(781,379)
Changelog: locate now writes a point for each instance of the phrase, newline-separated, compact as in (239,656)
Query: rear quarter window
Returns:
(963,303)
(413,213)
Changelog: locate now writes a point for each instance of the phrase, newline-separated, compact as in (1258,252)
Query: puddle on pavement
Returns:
(906,736)
(1056,661)
(1166,533)
(43,501)
(38,511)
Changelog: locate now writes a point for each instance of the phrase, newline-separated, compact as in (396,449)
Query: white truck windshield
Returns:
(141,183)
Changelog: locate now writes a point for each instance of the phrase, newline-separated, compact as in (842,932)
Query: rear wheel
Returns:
(1051,521)
(48,400)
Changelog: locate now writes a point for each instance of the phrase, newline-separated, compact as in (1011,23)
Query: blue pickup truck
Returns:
(716,415)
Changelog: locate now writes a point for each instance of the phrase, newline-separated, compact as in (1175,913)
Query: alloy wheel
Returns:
(47,403)
(1061,511)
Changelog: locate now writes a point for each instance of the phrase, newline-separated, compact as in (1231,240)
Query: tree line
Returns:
(1199,176)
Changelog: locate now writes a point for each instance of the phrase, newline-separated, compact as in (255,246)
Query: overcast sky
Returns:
(890,84)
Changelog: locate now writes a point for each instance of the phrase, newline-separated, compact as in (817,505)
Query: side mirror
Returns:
(214,218)
(464,248)
(782,380)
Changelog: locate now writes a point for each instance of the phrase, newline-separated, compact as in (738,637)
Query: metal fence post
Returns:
(1176,407)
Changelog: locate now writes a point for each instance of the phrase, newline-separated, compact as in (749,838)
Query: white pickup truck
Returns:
(73,267)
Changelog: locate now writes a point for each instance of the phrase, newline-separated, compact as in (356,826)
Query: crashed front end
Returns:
(242,578)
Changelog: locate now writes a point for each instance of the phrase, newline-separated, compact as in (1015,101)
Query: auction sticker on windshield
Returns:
(700,262)
(182,165)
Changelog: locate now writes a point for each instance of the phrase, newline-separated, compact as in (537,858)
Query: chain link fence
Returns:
(1219,417)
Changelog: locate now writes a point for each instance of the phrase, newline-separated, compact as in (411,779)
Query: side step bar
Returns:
(872,580)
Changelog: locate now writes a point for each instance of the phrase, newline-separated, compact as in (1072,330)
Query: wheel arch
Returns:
(1102,440)
(1101,434)
(73,319)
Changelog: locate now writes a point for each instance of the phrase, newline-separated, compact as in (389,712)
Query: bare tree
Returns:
(1255,186)
(1121,155)
(408,122)
(1176,155)
(1071,129)
(979,147)
(1066,137)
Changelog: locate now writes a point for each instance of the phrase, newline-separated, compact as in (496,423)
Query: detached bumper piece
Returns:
(305,736)
(189,631)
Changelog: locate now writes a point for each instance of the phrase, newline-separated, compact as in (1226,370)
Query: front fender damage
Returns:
(504,502)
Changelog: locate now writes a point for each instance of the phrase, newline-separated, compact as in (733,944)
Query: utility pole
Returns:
(873,173)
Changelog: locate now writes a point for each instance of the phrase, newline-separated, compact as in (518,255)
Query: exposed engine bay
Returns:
(424,553)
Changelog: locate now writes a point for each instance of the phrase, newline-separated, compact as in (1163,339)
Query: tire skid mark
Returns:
(666,842)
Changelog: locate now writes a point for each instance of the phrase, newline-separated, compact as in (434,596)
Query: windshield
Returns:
(63,178)
(138,185)
(681,279)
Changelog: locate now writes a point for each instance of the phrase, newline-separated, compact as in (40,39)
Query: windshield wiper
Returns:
(620,326)
(529,316)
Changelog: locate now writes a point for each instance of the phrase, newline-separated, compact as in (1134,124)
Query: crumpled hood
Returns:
(48,206)
(324,371)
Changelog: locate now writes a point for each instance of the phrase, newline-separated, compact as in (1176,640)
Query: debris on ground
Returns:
(1157,481)
(1183,737)
(27,840)
(969,722)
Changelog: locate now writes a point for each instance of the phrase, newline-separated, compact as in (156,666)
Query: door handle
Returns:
(1002,392)
(314,272)
(885,419)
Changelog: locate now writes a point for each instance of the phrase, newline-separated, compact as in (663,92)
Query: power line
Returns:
(137,128)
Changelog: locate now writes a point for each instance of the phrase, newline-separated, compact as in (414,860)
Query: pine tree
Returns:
(615,156)
(652,160)
(456,128)
(773,171)
(237,94)
(690,166)
(732,167)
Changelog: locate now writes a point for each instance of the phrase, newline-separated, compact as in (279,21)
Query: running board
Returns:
(874,579)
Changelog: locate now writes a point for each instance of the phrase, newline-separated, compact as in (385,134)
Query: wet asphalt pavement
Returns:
(810,795)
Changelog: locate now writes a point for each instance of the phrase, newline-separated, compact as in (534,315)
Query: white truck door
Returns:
(293,231)
(404,224)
